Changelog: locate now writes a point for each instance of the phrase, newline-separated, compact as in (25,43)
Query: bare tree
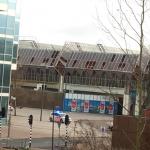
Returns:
(128,23)
(88,133)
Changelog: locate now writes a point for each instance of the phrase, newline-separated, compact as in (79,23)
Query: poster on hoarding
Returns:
(102,107)
(111,108)
(86,106)
(73,105)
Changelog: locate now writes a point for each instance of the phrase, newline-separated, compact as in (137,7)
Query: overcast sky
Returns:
(57,21)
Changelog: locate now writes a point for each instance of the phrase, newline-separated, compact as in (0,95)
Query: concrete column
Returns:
(61,83)
(126,104)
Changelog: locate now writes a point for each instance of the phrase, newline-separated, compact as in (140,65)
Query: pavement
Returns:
(20,128)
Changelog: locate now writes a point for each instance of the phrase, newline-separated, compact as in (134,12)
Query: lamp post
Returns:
(9,123)
(14,99)
(43,95)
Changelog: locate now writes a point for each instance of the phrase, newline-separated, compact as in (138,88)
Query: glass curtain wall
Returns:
(9,30)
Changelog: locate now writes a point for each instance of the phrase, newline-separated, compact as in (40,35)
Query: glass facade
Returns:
(9,31)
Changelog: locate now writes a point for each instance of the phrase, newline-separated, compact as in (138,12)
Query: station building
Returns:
(93,78)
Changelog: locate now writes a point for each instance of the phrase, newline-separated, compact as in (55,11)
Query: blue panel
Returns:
(78,105)
(115,108)
(82,106)
(106,107)
(94,106)
(91,106)
(67,103)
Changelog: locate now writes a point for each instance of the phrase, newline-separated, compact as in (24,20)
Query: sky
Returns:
(58,21)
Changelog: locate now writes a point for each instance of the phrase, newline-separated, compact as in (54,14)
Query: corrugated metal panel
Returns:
(79,59)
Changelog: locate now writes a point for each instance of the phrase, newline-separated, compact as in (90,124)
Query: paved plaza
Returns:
(20,128)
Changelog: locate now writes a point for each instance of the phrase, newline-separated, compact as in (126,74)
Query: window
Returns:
(44,60)
(148,66)
(11,21)
(8,57)
(55,54)
(1,74)
(9,47)
(123,57)
(16,30)
(75,61)
(90,64)
(2,45)
(47,60)
(10,31)
(63,59)
(12,1)
(6,79)
(15,47)
(113,57)
(31,60)
(3,1)
(14,60)
(2,30)
(3,20)
(103,65)
(52,62)
(12,6)
(1,57)
(121,65)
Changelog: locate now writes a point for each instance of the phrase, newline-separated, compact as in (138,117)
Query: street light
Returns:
(14,99)
(9,122)
(43,92)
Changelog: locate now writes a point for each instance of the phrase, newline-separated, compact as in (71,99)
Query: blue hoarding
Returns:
(103,107)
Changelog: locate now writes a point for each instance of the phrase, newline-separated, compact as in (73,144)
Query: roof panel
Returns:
(79,59)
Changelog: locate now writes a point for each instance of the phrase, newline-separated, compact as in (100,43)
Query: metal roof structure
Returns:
(73,56)
(78,59)
(75,46)
(31,44)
